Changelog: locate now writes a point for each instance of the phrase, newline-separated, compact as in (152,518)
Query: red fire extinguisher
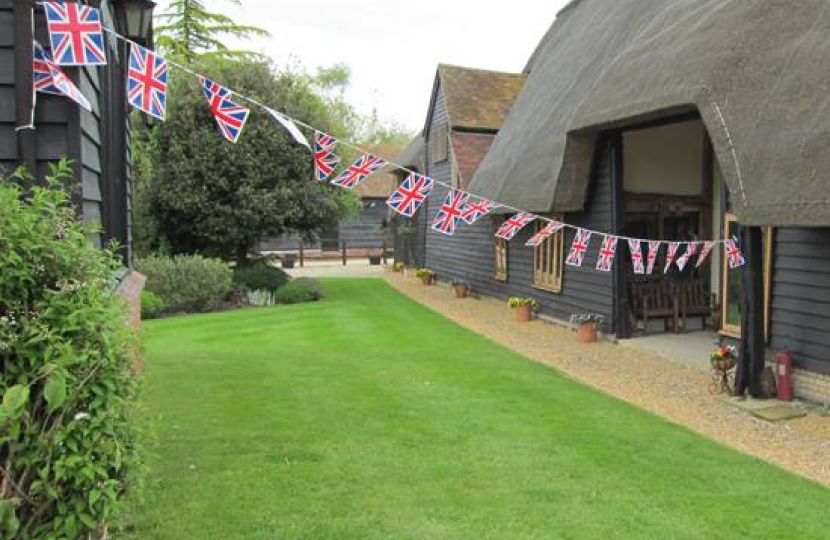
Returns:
(784,367)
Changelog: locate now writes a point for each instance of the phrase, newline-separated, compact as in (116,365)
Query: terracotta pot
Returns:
(524,313)
(460,290)
(588,332)
(427,280)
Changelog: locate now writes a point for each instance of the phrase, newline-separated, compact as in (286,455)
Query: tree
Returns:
(211,196)
(190,31)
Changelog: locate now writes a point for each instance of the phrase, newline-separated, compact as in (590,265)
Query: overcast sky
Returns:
(394,46)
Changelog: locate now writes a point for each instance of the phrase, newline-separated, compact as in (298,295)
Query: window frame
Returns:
(500,252)
(550,256)
(730,330)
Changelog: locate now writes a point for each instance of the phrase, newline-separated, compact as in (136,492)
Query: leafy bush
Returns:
(259,275)
(299,290)
(186,283)
(151,305)
(66,443)
(517,301)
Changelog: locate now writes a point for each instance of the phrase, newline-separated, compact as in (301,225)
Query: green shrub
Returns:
(66,442)
(299,290)
(258,275)
(151,305)
(186,283)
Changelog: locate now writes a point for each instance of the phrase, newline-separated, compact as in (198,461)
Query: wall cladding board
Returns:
(800,305)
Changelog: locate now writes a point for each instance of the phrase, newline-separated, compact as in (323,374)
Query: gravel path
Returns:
(674,391)
(325,269)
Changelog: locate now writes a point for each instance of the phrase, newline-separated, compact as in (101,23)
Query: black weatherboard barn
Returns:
(674,121)
(96,142)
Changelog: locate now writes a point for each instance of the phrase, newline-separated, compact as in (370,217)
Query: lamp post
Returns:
(134,20)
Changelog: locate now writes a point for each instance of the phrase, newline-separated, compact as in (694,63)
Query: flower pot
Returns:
(524,313)
(587,332)
(427,280)
(288,261)
(374,261)
(723,364)
(460,290)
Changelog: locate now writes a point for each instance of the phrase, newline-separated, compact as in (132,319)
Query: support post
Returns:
(302,253)
(23,76)
(343,251)
(752,351)
(384,253)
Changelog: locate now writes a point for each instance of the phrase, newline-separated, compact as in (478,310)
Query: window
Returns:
(548,259)
(732,287)
(501,254)
(440,144)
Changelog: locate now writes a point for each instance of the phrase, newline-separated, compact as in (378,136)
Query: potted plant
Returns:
(723,358)
(398,267)
(587,326)
(460,287)
(288,260)
(426,275)
(374,260)
(524,307)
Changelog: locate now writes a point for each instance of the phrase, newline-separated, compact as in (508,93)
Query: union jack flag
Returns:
(325,160)
(230,117)
(636,256)
(704,252)
(212,88)
(75,34)
(733,253)
(359,171)
(606,253)
(410,195)
(670,255)
(691,249)
(653,250)
(450,212)
(478,209)
(582,239)
(549,230)
(42,73)
(147,81)
(513,225)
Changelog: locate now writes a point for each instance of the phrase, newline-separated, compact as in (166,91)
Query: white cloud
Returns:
(394,46)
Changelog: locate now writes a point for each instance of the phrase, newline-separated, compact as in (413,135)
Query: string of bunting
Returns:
(76,37)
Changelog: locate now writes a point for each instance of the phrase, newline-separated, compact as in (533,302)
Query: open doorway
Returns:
(671,191)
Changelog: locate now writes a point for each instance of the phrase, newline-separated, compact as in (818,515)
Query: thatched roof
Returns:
(756,70)
(478,98)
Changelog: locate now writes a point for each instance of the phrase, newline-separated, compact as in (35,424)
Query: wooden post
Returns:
(752,351)
(620,274)
(23,77)
(302,253)
(343,251)
(383,254)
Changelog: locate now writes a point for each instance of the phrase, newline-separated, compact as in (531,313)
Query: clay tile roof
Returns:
(469,150)
(478,98)
(384,182)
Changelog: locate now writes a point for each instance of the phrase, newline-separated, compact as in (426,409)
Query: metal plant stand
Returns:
(723,376)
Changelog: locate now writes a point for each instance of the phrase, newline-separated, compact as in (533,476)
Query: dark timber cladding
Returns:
(800,304)
(96,142)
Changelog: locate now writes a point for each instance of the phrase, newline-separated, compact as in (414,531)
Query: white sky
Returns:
(394,46)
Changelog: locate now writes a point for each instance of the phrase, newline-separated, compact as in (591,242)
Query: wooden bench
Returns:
(654,301)
(694,302)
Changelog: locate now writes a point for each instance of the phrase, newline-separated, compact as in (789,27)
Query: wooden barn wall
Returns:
(8,101)
(364,230)
(800,303)
(470,253)
(91,162)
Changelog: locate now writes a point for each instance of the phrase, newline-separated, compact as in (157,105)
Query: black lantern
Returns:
(134,20)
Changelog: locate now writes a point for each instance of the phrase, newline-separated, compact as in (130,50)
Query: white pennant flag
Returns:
(290,126)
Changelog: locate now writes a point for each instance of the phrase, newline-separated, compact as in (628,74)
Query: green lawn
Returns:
(366,416)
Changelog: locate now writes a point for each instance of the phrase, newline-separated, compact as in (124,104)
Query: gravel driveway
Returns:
(675,391)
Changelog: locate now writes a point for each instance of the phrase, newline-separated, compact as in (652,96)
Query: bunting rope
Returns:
(521,219)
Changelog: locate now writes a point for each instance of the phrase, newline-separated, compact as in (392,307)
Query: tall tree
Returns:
(211,196)
(189,31)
